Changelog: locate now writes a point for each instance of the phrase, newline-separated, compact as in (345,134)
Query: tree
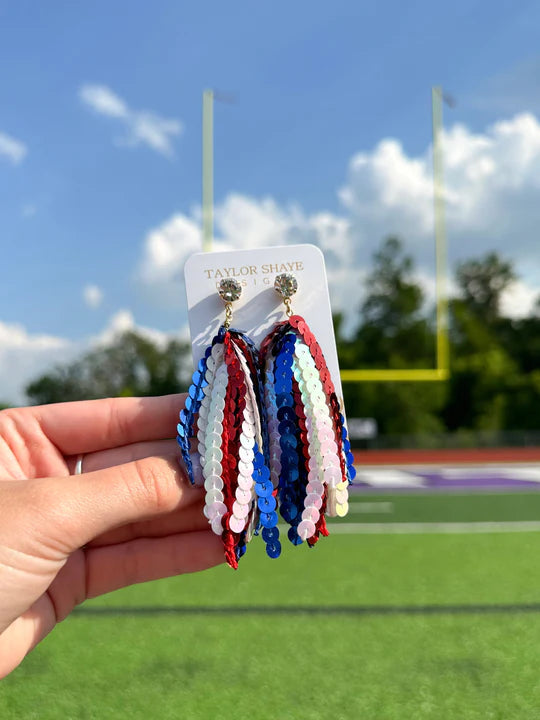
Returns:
(485,349)
(393,333)
(393,298)
(482,283)
(132,365)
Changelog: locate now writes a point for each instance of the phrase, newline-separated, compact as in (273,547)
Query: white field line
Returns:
(371,508)
(433,528)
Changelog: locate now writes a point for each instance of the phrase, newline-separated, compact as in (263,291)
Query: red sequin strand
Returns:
(228,447)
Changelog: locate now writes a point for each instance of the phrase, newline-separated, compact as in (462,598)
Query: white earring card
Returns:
(260,307)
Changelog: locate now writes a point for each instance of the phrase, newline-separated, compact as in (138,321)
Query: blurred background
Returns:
(424,602)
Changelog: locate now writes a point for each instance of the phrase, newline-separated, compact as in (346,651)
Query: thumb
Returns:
(76,509)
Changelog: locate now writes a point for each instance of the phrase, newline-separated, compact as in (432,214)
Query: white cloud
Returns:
(492,182)
(154,131)
(123,321)
(519,299)
(103,101)
(492,187)
(244,222)
(142,127)
(24,355)
(165,251)
(12,149)
(92,295)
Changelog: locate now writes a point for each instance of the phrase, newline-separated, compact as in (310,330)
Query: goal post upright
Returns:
(441,371)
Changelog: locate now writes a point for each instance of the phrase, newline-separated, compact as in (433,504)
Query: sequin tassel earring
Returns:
(310,456)
(226,392)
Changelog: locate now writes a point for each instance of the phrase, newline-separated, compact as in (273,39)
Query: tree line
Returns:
(494,383)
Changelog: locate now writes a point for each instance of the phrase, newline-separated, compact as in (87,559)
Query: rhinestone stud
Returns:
(286,284)
(229,289)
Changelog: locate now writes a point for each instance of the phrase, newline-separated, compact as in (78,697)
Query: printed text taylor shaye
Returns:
(253,274)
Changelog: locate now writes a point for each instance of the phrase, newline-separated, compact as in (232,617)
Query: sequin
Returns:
(245,468)
(213,496)
(293,536)
(273,549)
(266,504)
(213,453)
(213,438)
(241,510)
(330,461)
(287,426)
(203,411)
(217,525)
(283,399)
(269,519)
(270,534)
(247,442)
(245,483)
(292,473)
(310,513)
(315,486)
(306,529)
(245,455)
(314,475)
(342,496)
(212,467)
(288,511)
(288,441)
(237,524)
(242,495)
(264,489)
(286,413)
(213,482)
(258,460)
(264,473)
(216,508)
(313,500)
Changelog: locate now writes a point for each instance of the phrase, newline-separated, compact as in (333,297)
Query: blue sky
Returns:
(315,84)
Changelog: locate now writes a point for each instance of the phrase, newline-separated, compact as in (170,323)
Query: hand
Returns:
(131,516)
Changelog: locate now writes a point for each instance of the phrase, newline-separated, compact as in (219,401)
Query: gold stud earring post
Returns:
(229,290)
(286,285)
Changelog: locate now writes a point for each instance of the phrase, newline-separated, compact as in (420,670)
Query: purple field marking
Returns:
(436,481)
(475,479)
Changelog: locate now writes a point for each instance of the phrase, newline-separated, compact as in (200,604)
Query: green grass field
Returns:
(350,629)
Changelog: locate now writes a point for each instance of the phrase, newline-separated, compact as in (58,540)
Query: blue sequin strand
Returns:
(303,387)
(349,457)
(290,500)
(187,414)
(266,505)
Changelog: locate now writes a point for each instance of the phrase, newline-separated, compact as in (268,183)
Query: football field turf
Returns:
(366,625)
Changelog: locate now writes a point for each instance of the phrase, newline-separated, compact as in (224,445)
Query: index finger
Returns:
(91,425)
